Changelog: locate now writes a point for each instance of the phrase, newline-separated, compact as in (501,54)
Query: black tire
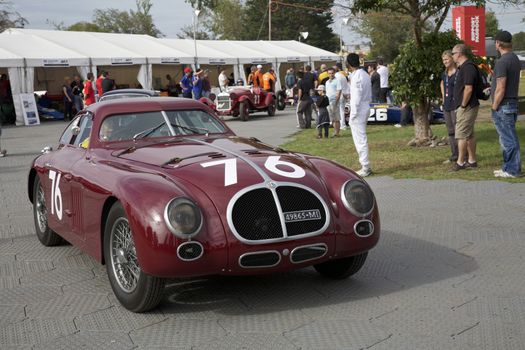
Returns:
(244,111)
(137,294)
(45,235)
(281,100)
(342,268)
(271,108)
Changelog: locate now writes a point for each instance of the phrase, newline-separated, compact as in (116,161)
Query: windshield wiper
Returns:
(192,129)
(147,132)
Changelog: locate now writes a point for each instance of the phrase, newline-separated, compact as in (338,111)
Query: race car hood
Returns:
(223,166)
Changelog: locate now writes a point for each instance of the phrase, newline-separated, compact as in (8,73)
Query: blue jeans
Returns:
(505,121)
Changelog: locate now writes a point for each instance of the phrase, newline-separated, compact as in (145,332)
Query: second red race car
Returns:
(240,101)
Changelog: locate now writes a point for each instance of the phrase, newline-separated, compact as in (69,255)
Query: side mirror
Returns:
(46,149)
(75,130)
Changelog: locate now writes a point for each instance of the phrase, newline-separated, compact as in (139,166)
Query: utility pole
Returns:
(269,20)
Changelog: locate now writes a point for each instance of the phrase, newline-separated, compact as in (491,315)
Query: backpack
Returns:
(482,88)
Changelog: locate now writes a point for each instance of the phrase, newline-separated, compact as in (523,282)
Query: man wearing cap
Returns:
(467,106)
(186,84)
(258,77)
(504,92)
(360,97)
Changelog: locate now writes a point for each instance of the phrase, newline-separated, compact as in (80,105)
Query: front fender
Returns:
(144,199)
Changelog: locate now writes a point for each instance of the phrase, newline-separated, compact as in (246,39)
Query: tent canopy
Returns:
(125,49)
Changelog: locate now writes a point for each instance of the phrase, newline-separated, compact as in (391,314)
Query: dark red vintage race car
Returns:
(240,101)
(158,188)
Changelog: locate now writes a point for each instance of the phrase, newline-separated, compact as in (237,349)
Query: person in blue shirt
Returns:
(198,84)
(186,83)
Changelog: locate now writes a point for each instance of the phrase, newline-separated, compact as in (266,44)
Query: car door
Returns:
(80,159)
(64,216)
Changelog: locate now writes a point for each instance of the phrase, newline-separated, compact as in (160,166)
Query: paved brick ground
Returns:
(447,274)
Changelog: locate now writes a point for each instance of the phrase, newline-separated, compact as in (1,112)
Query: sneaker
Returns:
(447,161)
(364,172)
(471,165)
(398,125)
(501,173)
(334,135)
(457,167)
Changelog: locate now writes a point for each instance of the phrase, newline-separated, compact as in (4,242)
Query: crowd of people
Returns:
(459,88)
(328,90)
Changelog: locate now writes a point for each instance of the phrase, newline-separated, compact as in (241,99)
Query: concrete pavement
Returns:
(447,274)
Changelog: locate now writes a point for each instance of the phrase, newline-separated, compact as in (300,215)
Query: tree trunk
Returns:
(422,131)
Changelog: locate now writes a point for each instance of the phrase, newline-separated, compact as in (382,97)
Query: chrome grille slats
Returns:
(296,199)
(256,214)
(261,224)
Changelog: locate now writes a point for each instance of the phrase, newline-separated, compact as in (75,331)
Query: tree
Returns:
(422,14)
(186,32)
(518,41)
(491,24)
(374,24)
(132,22)
(77,27)
(10,18)
(116,21)
(227,20)
(416,74)
(248,20)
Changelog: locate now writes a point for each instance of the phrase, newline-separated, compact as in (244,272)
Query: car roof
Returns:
(150,93)
(143,104)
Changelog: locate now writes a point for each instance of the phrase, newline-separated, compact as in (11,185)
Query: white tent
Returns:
(36,52)
(23,50)
(125,49)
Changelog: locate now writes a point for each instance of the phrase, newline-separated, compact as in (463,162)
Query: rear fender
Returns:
(269,99)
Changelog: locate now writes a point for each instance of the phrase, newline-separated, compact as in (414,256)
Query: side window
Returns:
(85,125)
(67,135)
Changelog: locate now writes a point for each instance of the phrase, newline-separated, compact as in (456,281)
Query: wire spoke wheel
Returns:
(123,256)
(136,290)
(45,235)
(41,210)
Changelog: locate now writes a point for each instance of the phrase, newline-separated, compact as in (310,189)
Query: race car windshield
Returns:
(125,127)
(194,121)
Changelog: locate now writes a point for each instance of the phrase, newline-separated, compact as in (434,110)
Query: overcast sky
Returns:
(171,15)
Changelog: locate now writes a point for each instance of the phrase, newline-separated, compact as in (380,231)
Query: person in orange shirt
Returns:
(268,80)
(98,84)
(258,77)
(89,92)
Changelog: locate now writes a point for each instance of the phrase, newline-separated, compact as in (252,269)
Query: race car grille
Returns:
(297,200)
(257,217)
(223,103)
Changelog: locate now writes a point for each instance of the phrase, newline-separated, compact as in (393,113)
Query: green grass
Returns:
(390,155)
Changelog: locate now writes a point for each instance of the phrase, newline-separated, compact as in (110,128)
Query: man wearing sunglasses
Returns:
(467,106)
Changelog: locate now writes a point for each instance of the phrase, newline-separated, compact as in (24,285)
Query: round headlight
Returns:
(183,217)
(357,197)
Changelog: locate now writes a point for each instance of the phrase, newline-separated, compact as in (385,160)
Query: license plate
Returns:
(302,215)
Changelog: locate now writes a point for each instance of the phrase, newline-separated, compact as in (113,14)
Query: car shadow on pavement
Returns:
(399,263)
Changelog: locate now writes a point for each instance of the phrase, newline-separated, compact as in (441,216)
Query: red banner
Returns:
(469,24)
